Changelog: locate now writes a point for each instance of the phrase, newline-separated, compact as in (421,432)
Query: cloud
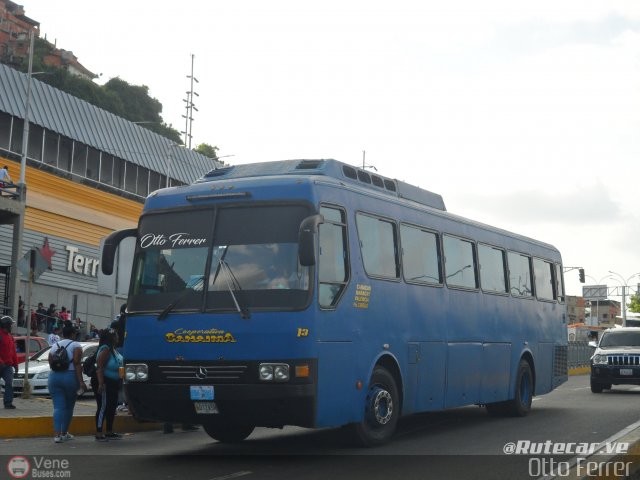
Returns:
(591,205)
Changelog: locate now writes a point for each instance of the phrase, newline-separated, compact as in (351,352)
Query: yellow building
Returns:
(87,174)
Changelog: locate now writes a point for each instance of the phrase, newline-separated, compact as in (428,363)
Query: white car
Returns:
(39,371)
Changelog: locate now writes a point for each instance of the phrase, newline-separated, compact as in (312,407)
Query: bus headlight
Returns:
(600,360)
(281,373)
(136,372)
(270,372)
(266,372)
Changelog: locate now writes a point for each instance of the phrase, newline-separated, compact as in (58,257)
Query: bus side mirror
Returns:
(110,246)
(307,239)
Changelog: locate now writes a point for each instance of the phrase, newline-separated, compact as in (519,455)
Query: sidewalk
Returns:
(33,417)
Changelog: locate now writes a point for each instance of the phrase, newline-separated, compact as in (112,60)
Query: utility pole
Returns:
(190,107)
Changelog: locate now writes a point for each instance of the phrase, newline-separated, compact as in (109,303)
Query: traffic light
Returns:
(581,274)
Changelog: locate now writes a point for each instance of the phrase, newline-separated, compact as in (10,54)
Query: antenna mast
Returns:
(190,107)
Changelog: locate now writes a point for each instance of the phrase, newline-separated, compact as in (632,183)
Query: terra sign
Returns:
(81,264)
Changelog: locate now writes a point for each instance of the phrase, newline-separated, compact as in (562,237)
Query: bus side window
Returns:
(379,246)
(558,284)
(543,272)
(459,263)
(492,269)
(333,261)
(420,255)
(520,278)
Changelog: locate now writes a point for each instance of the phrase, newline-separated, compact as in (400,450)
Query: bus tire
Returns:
(520,405)
(596,387)
(382,411)
(228,432)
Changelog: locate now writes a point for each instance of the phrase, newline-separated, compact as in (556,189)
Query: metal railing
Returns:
(10,190)
(579,354)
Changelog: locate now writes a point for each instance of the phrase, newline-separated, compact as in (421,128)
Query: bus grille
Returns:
(560,368)
(195,373)
(623,359)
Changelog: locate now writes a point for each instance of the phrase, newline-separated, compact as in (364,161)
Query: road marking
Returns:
(233,475)
(613,438)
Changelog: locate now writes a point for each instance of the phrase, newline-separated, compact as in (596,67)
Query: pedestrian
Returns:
(41,315)
(8,360)
(64,314)
(21,313)
(52,317)
(93,332)
(119,325)
(34,323)
(106,384)
(5,178)
(54,337)
(64,386)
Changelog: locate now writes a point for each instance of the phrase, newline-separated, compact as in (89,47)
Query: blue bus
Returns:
(313,293)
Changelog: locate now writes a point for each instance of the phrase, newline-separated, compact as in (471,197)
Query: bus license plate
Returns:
(626,371)
(207,408)
(201,392)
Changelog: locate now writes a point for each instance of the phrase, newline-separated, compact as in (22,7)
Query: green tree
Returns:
(207,150)
(634,304)
(116,96)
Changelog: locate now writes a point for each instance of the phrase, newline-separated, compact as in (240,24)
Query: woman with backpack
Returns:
(106,384)
(65,380)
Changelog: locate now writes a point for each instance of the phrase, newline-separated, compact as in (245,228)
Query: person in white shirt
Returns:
(5,178)
(53,336)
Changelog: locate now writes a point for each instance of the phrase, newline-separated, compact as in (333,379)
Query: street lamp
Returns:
(597,282)
(624,292)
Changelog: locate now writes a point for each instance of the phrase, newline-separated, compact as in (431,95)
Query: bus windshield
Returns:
(220,260)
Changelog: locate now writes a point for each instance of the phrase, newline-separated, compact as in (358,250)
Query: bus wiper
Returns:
(232,285)
(195,287)
(168,308)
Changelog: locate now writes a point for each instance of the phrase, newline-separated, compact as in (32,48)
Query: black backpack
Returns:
(89,365)
(59,360)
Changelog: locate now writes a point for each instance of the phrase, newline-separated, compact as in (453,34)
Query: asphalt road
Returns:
(461,443)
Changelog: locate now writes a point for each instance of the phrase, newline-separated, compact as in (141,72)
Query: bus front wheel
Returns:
(228,432)
(382,410)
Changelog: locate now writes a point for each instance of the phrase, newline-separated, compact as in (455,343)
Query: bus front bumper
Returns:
(266,405)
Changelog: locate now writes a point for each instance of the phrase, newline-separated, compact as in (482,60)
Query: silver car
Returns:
(39,370)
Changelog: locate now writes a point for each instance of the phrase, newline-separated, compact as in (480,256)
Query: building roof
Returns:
(79,120)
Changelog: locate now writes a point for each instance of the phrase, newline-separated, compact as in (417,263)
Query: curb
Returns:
(23,427)
(579,371)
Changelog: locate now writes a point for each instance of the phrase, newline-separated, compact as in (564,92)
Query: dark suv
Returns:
(616,360)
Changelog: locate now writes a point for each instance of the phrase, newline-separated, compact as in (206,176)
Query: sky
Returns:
(522,115)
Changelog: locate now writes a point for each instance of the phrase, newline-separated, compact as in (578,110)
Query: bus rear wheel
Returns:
(382,410)
(520,405)
(228,432)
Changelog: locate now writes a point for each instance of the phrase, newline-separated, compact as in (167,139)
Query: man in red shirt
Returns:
(8,360)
